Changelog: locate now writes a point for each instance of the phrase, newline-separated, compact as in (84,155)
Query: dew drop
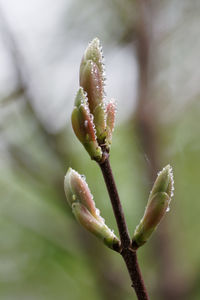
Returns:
(97,212)
(91,117)
(102,220)
(83,177)
(85,94)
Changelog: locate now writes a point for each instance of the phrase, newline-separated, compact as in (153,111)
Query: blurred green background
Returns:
(152,62)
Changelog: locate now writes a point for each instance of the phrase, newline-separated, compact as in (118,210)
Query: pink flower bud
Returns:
(92,74)
(92,118)
(76,189)
(91,81)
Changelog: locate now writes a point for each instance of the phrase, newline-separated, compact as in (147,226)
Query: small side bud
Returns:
(83,126)
(99,229)
(83,206)
(100,123)
(157,206)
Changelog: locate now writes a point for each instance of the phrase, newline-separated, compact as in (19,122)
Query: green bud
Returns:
(83,126)
(83,206)
(157,206)
(94,53)
(164,182)
(154,212)
(100,123)
(99,229)
(92,70)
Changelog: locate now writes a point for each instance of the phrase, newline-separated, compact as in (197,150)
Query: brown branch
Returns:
(129,255)
(116,204)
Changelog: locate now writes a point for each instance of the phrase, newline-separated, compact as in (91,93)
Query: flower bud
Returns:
(157,206)
(82,123)
(94,53)
(92,74)
(92,118)
(83,206)
(91,81)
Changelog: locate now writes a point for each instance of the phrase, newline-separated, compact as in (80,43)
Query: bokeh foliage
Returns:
(44,253)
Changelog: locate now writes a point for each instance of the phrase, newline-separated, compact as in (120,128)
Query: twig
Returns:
(116,204)
(129,255)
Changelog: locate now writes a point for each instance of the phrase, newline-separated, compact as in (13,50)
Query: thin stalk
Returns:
(129,255)
(116,204)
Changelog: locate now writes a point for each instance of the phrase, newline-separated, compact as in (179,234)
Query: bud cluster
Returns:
(93,121)
(93,117)
(83,207)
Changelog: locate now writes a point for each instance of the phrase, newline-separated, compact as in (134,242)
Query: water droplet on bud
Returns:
(86,123)
(97,212)
(83,177)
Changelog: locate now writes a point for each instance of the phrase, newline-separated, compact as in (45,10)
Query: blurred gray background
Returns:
(151,53)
